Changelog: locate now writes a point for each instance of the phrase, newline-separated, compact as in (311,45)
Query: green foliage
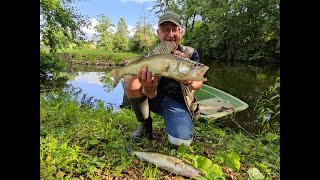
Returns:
(230,30)
(234,30)
(144,38)
(231,159)
(210,169)
(81,44)
(99,55)
(150,171)
(268,104)
(225,30)
(78,140)
(87,141)
(120,38)
(255,174)
(59,24)
(50,64)
(104,33)
(270,137)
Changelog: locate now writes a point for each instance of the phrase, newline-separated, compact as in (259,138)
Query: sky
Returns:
(130,10)
(90,84)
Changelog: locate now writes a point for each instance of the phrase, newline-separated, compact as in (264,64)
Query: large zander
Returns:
(162,62)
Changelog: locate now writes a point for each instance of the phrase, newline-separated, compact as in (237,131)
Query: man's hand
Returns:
(179,53)
(149,83)
(146,79)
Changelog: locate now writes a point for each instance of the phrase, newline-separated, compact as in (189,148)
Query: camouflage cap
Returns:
(170,16)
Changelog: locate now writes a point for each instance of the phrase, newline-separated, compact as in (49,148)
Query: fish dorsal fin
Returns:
(163,48)
(152,151)
(135,59)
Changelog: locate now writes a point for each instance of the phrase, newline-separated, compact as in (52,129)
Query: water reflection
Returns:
(242,80)
(247,81)
(91,85)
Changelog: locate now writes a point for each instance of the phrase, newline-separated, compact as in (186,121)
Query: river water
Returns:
(246,81)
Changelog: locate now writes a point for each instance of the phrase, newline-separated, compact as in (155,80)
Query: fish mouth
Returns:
(198,176)
(201,173)
(200,72)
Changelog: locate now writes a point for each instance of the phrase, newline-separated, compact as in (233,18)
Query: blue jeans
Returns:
(178,121)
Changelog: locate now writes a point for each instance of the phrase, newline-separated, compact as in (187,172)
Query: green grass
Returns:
(93,55)
(78,141)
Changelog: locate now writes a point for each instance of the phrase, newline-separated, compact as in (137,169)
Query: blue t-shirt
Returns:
(170,87)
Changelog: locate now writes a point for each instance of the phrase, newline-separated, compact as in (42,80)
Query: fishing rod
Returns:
(256,140)
(244,129)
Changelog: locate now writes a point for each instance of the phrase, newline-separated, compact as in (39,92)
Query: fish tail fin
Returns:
(129,149)
(115,75)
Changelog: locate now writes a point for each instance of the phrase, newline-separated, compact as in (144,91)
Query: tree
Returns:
(104,33)
(163,5)
(229,29)
(60,24)
(144,37)
(120,39)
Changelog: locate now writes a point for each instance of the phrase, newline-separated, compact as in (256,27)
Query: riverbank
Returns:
(82,142)
(95,57)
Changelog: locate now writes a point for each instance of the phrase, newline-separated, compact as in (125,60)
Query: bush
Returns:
(50,65)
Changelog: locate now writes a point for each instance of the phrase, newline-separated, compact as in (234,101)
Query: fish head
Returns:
(192,68)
